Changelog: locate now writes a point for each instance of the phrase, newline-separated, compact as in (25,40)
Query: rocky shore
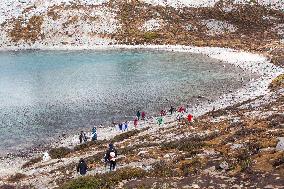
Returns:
(237,145)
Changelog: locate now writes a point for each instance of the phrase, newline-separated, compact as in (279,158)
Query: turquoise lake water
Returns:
(44,94)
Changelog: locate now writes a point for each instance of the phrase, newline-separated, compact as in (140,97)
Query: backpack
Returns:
(112,155)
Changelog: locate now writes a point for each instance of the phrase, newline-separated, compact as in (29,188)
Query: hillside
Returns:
(235,146)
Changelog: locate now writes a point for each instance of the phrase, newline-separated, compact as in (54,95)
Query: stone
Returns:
(195,186)
(167,156)
(224,165)
(236,146)
(142,153)
(280,144)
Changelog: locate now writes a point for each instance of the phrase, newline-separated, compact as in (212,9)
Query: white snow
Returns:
(182,3)
(280,144)
(151,25)
(217,27)
(276,4)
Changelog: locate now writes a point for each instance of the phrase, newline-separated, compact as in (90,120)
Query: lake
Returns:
(44,94)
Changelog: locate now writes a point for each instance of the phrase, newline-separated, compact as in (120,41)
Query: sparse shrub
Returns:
(276,120)
(279,161)
(163,169)
(277,82)
(32,162)
(6,186)
(191,166)
(83,146)
(16,177)
(96,158)
(245,164)
(107,180)
(185,144)
(149,36)
(248,131)
(57,153)
(243,159)
(99,143)
(88,182)
(127,135)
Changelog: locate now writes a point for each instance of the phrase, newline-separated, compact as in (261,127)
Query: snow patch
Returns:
(216,27)
(151,25)
(183,3)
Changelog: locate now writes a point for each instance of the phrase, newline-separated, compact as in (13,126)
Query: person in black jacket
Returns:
(138,114)
(82,167)
(111,156)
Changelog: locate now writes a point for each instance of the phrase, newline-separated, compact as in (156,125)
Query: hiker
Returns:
(163,112)
(120,126)
(181,109)
(94,130)
(110,157)
(125,126)
(136,122)
(46,156)
(94,133)
(138,114)
(179,117)
(82,167)
(171,110)
(187,109)
(143,115)
(160,120)
(82,137)
(189,118)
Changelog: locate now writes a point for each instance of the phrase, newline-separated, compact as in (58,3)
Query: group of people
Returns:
(109,158)
(111,154)
(123,126)
(83,137)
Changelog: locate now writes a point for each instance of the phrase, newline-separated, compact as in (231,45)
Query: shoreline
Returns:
(254,63)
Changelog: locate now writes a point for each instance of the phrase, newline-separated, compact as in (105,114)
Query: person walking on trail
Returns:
(82,167)
(181,109)
(138,114)
(163,113)
(160,120)
(135,122)
(187,108)
(111,156)
(94,130)
(82,137)
(94,134)
(171,110)
(189,118)
(143,115)
(125,126)
(179,117)
(120,126)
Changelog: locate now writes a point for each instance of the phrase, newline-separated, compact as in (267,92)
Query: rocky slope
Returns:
(237,147)
(240,146)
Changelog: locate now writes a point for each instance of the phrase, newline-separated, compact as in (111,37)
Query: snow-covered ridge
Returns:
(93,21)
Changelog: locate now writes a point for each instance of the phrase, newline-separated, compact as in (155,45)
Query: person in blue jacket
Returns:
(94,133)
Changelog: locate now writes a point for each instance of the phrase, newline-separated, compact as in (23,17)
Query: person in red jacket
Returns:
(136,122)
(189,118)
(181,109)
(143,115)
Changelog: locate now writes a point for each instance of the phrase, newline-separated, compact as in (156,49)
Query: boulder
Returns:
(280,144)
(224,165)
